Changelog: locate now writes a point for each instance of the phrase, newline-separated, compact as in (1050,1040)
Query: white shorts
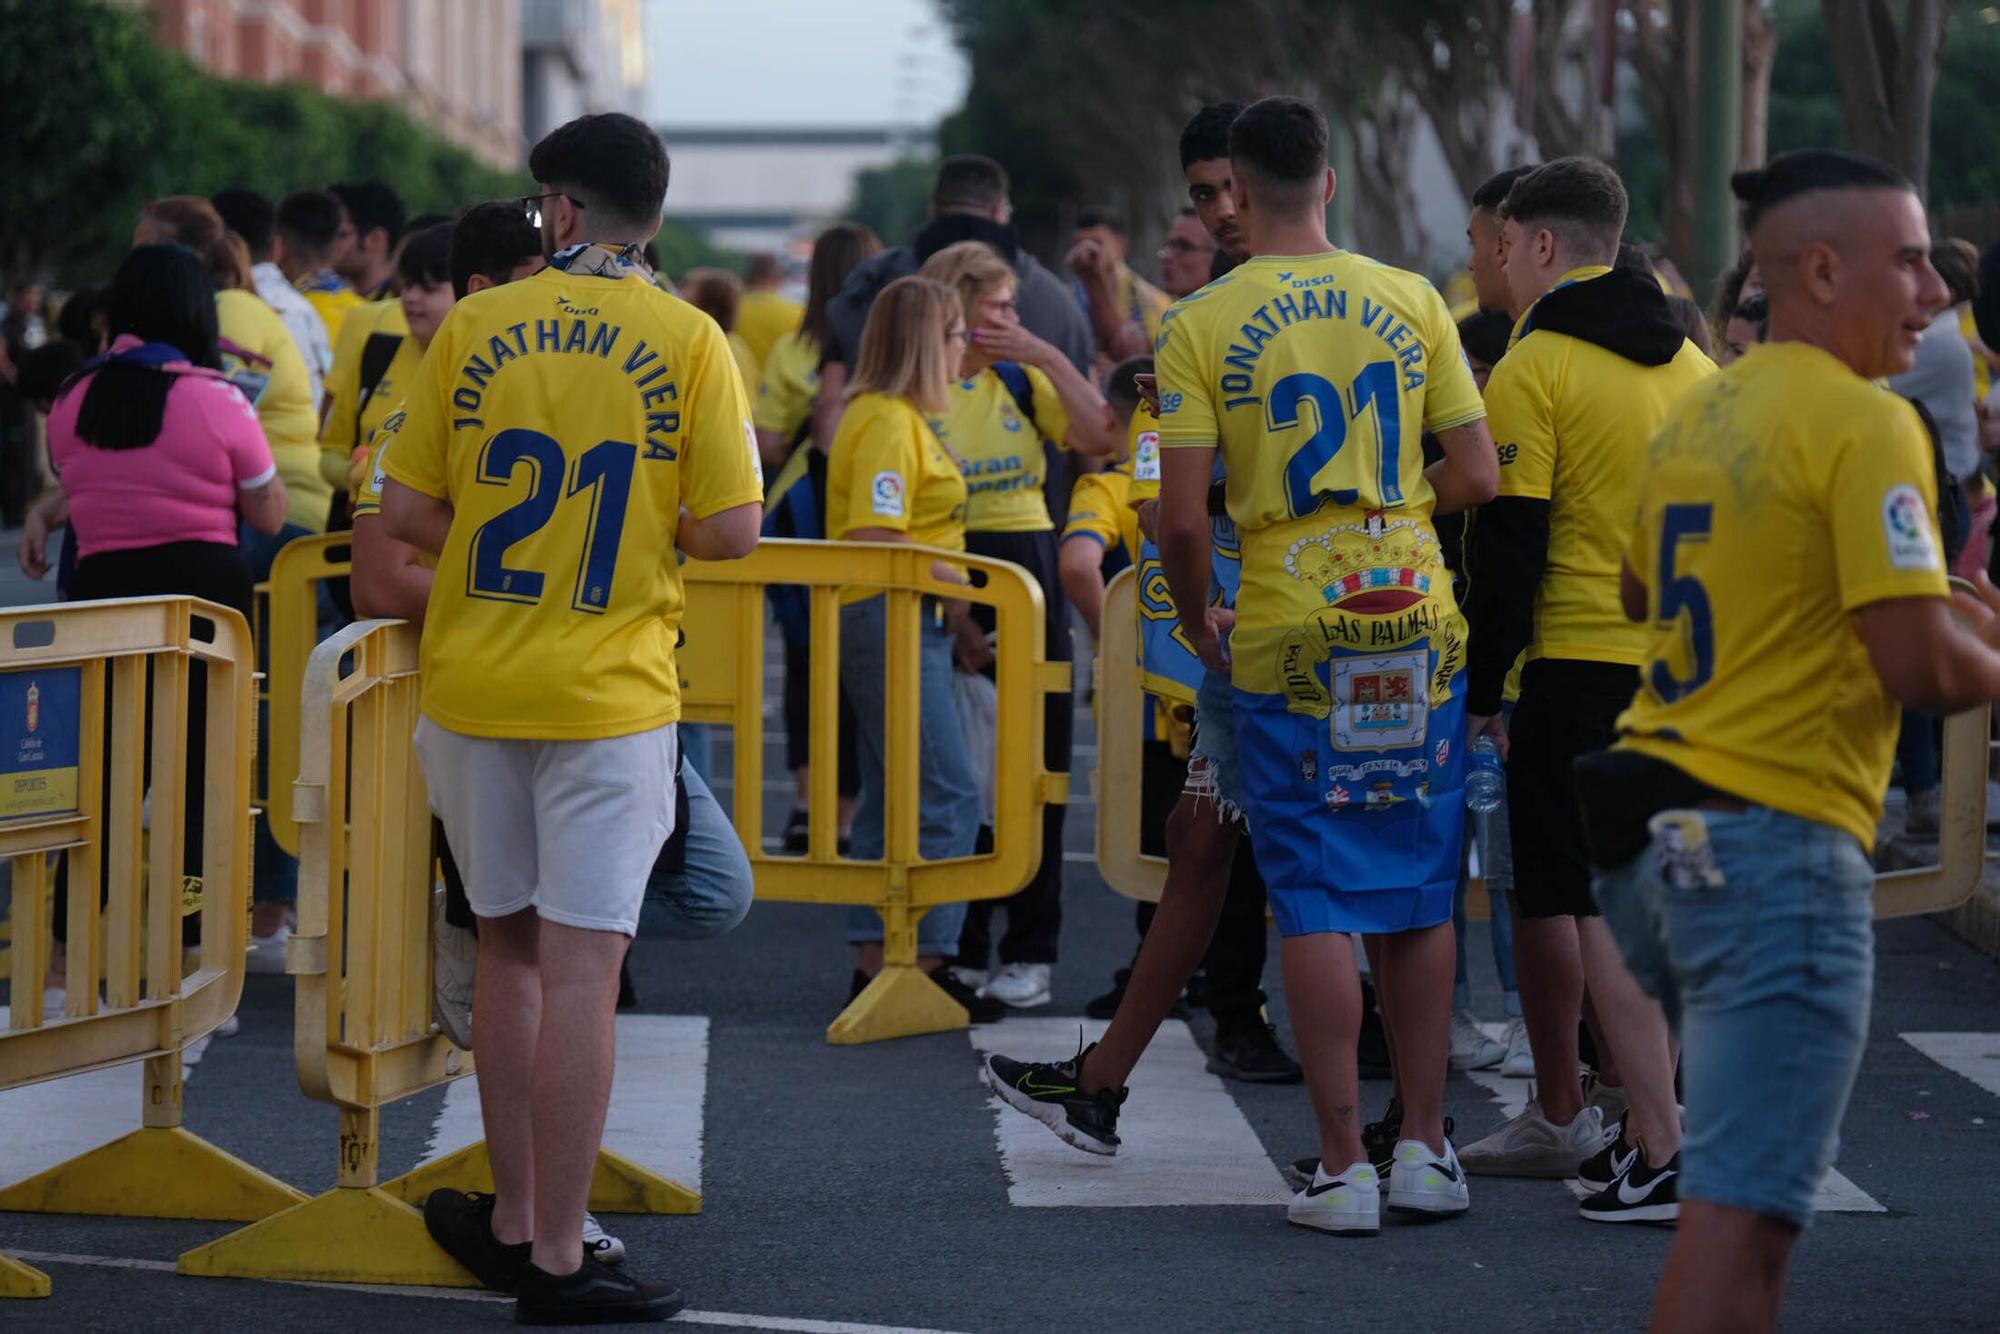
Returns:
(568,828)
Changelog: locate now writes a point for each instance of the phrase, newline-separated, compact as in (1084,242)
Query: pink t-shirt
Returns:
(180,488)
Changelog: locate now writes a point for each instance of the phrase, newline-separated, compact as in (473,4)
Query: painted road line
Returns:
(657,1098)
(727,1319)
(1184,1139)
(1837,1194)
(1973,1056)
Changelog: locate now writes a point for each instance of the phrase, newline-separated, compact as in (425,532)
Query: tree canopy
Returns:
(110,119)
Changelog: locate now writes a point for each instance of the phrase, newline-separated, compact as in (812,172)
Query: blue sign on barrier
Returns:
(40,731)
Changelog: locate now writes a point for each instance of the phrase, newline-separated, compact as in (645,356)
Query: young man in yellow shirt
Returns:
(1124,308)
(765,314)
(1314,372)
(1786,569)
(1597,362)
(309,229)
(567,437)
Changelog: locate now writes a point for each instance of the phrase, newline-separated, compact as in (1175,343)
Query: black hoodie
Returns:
(1623,312)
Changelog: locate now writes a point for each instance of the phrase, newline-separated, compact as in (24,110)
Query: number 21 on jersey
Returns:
(600,481)
(1377,387)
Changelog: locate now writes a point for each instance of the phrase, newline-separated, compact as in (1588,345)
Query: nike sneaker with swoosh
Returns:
(1609,1163)
(1349,1205)
(596,1294)
(1644,1194)
(1423,1182)
(1049,1092)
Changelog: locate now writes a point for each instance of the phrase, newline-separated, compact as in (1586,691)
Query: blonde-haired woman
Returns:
(889,480)
(1013,398)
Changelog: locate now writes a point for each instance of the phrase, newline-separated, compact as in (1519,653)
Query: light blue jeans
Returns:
(711,893)
(1756,931)
(948,806)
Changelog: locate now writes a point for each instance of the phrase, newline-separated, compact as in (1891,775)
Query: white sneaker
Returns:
(1519,1063)
(597,1242)
(1020,986)
(267,953)
(1531,1145)
(452,962)
(1420,1182)
(1349,1205)
(1471,1049)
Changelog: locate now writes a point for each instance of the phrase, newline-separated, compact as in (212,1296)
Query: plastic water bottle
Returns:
(1496,849)
(1485,784)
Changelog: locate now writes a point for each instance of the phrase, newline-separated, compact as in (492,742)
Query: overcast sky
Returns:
(799,62)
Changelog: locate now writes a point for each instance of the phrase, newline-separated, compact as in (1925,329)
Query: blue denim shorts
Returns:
(1213,772)
(1755,930)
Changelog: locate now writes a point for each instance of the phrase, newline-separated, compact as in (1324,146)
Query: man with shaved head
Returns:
(1786,563)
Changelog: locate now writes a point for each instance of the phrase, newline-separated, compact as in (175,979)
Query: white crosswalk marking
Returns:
(657,1098)
(1184,1139)
(1837,1195)
(1973,1056)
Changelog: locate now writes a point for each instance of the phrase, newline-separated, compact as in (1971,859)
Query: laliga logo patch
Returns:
(1906,527)
(1146,457)
(888,494)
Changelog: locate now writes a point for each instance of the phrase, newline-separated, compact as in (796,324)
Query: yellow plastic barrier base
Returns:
(620,1185)
(18,1280)
(900,1003)
(344,1236)
(154,1172)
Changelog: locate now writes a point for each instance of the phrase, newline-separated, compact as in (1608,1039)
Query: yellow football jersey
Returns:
(762,318)
(1315,376)
(1100,509)
(1005,466)
(334,301)
(345,428)
(1782,494)
(885,469)
(568,418)
(1572,422)
(272,374)
(1982,370)
(791,378)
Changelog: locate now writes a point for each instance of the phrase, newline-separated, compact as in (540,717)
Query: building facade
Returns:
(579,56)
(455,65)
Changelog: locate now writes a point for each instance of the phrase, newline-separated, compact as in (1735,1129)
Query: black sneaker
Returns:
(1614,1160)
(462,1226)
(981,1009)
(793,841)
(1048,1092)
(1248,1050)
(1644,1194)
(596,1294)
(1106,1006)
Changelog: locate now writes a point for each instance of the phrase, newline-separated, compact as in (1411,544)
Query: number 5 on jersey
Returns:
(1682,595)
(602,475)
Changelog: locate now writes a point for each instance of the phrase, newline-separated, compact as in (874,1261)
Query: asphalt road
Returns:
(851,1189)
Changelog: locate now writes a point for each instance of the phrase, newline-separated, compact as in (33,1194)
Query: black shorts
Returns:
(1568,709)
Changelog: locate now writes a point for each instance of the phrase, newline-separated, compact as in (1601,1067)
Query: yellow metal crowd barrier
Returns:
(723,681)
(95,704)
(1120,706)
(361,956)
(1121,732)
(291,620)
